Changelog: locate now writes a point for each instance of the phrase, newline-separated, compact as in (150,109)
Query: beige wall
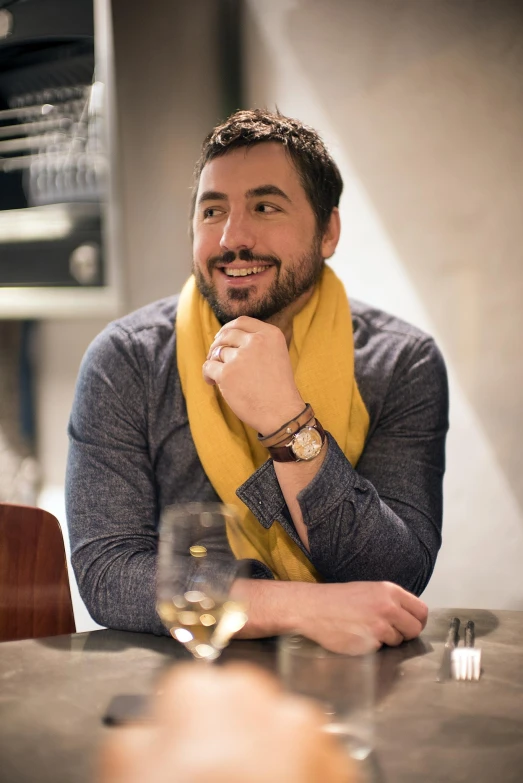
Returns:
(422,105)
(168,98)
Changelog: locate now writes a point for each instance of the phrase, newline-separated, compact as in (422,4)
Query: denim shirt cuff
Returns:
(262,495)
(261,492)
(333,481)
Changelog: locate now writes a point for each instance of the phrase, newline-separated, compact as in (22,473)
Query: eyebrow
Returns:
(212,195)
(267,190)
(262,190)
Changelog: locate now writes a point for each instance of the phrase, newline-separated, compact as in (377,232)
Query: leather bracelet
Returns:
(287,429)
(284,440)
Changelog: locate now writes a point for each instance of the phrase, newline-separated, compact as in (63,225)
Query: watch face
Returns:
(307,443)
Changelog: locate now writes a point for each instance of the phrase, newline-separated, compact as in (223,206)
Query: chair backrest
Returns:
(35,599)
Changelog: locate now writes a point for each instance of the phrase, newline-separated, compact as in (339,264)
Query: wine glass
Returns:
(196,570)
(343,686)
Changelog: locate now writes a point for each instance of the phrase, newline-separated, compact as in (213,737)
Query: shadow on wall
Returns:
(427,100)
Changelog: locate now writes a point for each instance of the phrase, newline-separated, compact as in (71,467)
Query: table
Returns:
(54,691)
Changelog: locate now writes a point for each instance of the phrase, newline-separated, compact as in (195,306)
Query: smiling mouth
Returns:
(244,272)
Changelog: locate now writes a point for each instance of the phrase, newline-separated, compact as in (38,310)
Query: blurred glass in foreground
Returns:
(342,686)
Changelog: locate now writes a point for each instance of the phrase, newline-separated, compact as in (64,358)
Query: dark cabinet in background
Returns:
(55,173)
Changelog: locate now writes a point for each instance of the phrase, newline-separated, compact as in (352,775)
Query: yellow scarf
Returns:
(322,357)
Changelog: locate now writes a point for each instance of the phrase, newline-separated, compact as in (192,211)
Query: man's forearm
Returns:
(273,607)
(334,615)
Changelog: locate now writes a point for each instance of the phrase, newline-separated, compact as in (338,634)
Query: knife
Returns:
(451,642)
(470,634)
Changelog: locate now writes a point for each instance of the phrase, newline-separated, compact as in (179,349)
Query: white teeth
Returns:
(244,272)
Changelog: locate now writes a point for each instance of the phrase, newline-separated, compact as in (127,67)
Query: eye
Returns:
(267,209)
(212,212)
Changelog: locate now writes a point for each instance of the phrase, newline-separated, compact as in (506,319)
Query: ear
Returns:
(331,234)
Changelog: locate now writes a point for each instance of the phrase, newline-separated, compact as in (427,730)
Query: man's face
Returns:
(256,248)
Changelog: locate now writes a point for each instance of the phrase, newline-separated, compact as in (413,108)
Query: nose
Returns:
(238,233)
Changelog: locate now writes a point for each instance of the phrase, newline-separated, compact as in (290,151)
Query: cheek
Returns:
(293,237)
(279,241)
(292,247)
(203,247)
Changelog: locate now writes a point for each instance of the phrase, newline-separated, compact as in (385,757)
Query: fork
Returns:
(466,661)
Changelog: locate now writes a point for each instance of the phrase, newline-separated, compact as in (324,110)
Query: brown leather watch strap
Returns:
(287,430)
(285,453)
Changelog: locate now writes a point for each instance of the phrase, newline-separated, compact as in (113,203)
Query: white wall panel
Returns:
(421,105)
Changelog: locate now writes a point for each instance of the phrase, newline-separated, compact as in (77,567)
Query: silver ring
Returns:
(217,353)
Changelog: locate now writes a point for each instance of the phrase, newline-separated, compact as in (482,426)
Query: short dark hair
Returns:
(319,174)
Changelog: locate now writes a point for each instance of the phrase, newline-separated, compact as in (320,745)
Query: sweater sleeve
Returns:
(130,455)
(382,520)
(110,488)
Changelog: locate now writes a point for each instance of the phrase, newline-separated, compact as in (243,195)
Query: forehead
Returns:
(248,167)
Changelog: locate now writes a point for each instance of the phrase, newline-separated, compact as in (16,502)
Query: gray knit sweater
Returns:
(131,454)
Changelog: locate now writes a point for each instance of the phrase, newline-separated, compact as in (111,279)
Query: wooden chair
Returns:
(35,599)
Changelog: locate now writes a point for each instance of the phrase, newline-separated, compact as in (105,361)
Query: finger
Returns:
(222,354)
(406,624)
(211,371)
(233,337)
(415,606)
(215,353)
(391,636)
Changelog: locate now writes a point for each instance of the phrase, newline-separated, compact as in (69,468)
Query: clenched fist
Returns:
(249,362)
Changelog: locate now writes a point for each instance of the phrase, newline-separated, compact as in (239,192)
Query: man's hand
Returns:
(229,724)
(390,614)
(254,373)
(326,612)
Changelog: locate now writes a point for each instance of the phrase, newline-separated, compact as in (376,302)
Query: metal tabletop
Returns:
(53,693)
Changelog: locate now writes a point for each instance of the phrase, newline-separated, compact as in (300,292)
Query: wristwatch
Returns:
(303,446)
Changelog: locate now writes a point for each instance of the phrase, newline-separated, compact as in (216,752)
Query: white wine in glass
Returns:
(196,570)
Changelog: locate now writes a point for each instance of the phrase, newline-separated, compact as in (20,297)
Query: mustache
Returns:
(244,255)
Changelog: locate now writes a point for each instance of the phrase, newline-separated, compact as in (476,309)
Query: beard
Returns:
(289,285)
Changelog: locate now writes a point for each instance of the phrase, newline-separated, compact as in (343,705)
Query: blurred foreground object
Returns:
(225,725)
(342,685)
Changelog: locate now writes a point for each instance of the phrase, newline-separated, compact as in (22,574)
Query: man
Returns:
(187,399)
